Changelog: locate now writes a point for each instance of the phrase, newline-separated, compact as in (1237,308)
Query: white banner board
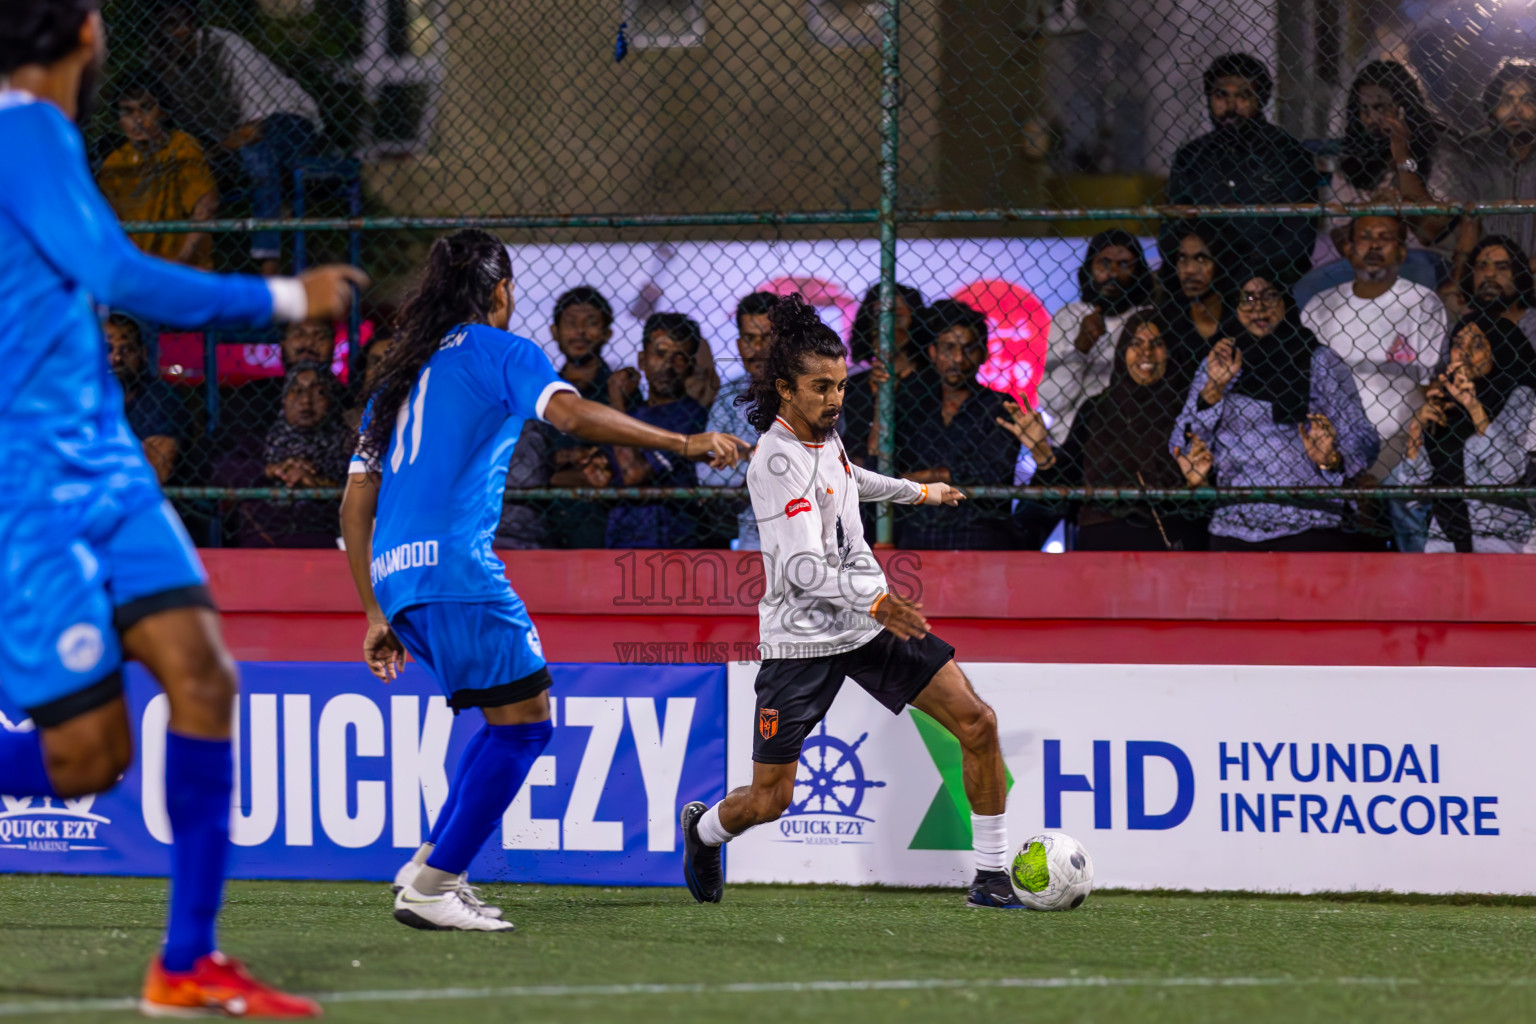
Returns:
(1182,776)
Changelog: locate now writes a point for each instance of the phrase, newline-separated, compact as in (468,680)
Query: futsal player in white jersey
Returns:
(827,613)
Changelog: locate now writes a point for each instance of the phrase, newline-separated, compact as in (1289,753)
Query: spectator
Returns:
(1246,160)
(308,446)
(1497,281)
(1113,282)
(1498,163)
(857,422)
(159,174)
(1118,440)
(1193,311)
(158,417)
(1388,331)
(1394,150)
(249,408)
(581,326)
(373,358)
(728,415)
(1471,432)
(521,527)
(1272,407)
(669,345)
(952,437)
(230,94)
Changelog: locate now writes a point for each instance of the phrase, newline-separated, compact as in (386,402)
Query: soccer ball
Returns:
(1052,871)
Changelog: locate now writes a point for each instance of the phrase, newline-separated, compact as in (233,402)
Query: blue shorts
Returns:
(483,655)
(70,583)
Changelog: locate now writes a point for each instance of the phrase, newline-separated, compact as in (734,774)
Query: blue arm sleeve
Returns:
(48,193)
(524,374)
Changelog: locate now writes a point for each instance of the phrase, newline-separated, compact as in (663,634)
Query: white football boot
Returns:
(443,913)
(469,893)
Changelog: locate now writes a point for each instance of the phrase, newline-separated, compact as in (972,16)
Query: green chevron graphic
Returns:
(947,825)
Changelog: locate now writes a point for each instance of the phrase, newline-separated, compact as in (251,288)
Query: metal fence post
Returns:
(890,140)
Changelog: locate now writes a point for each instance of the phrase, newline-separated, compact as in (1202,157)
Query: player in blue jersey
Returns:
(95,567)
(420,510)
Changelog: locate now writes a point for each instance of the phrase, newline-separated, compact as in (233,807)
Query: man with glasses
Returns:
(752,338)
(1387,329)
(1245,160)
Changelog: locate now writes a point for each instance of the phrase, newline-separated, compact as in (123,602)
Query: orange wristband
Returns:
(876,606)
(923,496)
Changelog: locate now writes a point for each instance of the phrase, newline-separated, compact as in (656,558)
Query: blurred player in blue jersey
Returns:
(420,510)
(95,567)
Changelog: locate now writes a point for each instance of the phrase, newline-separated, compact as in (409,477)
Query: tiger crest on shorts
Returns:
(768,722)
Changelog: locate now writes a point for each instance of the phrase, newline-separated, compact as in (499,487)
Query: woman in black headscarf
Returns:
(1272,407)
(1471,432)
(1119,439)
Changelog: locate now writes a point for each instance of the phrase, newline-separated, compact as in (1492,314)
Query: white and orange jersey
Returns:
(822,580)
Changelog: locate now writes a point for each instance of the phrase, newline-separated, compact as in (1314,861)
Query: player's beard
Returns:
(825,427)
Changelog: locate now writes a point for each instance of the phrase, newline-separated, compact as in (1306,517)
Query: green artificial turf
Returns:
(1121,957)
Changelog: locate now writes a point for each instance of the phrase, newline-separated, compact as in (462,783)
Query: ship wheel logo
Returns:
(830,779)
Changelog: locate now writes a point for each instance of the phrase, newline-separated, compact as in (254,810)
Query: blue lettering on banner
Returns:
(1310,813)
(338,777)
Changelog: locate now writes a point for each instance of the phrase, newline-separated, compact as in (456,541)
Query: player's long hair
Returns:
(797,333)
(463,270)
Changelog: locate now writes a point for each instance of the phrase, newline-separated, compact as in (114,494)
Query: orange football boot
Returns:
(218,986)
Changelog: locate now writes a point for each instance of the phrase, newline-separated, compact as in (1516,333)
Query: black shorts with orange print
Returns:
(793,694)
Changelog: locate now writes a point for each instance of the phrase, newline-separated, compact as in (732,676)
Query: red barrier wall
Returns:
(993,606)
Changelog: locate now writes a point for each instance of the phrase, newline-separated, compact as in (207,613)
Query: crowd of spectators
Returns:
(1257,351)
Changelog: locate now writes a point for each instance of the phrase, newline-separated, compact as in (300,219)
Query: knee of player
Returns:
(208,679)
(977,729)
(90,769)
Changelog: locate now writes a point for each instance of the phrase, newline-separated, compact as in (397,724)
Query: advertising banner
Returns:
(1182,776)
(1017,282)
(341,777)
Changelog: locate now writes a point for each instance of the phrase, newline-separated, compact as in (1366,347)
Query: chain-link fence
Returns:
(1075,247)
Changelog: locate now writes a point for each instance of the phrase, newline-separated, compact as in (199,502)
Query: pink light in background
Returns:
(1016,326)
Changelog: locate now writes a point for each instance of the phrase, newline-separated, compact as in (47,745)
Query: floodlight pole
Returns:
(890,141)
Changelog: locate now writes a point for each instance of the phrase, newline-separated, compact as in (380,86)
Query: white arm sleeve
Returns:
(877,487)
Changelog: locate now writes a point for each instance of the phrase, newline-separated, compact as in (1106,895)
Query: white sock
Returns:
(989,839)
(420,856)
(711,831)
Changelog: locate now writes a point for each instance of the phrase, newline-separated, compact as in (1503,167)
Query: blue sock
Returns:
(485,789)
(21,765)
(471,751)
(199,775)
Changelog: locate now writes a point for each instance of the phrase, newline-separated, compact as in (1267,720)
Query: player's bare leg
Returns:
(706,829)
(183,648)
(951,701)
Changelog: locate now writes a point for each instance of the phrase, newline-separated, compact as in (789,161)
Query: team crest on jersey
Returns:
(81,647)
(768,722)
(796,506)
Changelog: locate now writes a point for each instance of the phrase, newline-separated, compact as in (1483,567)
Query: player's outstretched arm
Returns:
(601,424)
(879,487)
(359,503)
(52,198)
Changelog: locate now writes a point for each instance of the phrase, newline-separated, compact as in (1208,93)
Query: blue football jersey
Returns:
(63,438)
(446,468)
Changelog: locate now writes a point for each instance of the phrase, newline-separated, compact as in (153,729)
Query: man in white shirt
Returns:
(1386,328)
(232,95)
(827,613)
(1113,282)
